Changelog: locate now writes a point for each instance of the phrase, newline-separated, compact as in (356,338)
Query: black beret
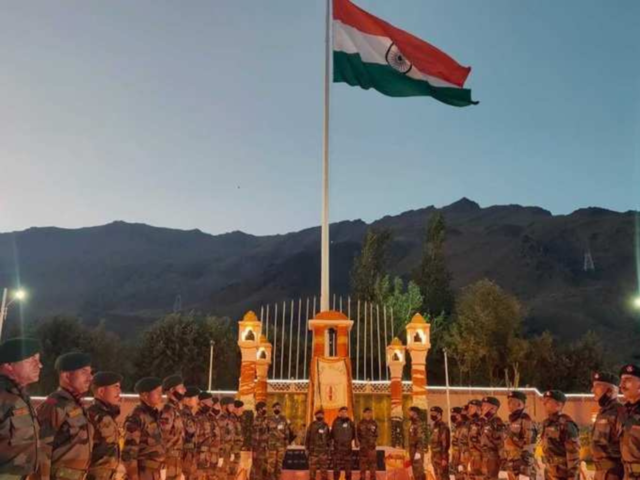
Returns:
(172,381)
(605,377)
(518,396)
(436,410)
(147,384)
(630,370)
(106,379)
(215,400)
(18,349)
(238,403)
(226,401)
(492,401)
(414,409)
(456,410)
(70,362)
(475,403)
(557,395)
(205,396)
(277,404)
(343,409)
(191,392)
(261,405)
(319,410)
(367,409)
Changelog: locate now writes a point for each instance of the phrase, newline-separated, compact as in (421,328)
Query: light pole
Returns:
(636,302)
(211,345)
(18,295)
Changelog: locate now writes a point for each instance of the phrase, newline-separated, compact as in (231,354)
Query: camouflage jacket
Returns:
(190,427)
(66,435)
(19,430)
(440,439)
(455,435)
(318,438)
(106,436)
(462,435)
(260,434)
(279,430)
(606,433)
(227,434)
(492,439)
(172,427)
(367,433)
(476,427)
(143,445)
(630,443)
(416,436)
(238,436)
(343,432)
(520,436)
(561,445)
(204,438)
(215,435)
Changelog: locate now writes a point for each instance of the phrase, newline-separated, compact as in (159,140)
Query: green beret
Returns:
(457,410)
(70,362)
(633,370)
(238,403)
(475,403)
(605,377)
(518,396)
(491,401)
(106,379)
(226,401)
(191,392)
(204,396)
(18,349)
(557,395)
(172,381)
(147,384)
(436,410)
(261,405)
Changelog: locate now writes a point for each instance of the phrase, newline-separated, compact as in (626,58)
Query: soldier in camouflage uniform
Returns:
(560,442)
(492,439)
(190,445)
(238,439)
(227,437)
(607,429)
(143,454)
(476,426)
(462,472)
(66,435)
(205,437)
(439,443)
(260,440)
(367,435)
(456,458)
(172,425)
(279,430)
(520,438)
(103,414)
(197,433)
(343,433)
(206,404)
(19,431)
(318,445)
(630,442)
(416,444)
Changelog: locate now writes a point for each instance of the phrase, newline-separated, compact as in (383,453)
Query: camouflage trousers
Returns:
(318,460)
(517,467)
(368,463)
(149,474)
(96,474)
(174,465)
(342,462)
(189,465)
(259,465)
(275,457)
(475,465)
(609,470)
(440,462)
(417,464)
(491,465)
(233,466)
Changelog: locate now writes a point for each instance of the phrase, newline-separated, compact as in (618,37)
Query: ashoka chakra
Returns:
(397,60)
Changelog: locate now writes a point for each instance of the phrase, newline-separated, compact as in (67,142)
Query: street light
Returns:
(636,302)
(18,295)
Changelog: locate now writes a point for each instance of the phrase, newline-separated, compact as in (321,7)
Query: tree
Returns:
(432,276)
(403,301)
(369,266)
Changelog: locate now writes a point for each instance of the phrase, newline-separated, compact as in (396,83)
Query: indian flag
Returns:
(370,53)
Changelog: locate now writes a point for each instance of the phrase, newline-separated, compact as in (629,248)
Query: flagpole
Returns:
(324,276)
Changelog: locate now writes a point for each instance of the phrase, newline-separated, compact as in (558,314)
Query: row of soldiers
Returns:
(482,444)
(192,434)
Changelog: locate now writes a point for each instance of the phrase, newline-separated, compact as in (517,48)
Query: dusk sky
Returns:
(208,114)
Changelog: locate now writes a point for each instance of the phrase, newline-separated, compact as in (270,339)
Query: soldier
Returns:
(560,443)
(630,443)
(65,432)
(260,440)
(215,406)
(456,458)
(206,404)
(607,429)
(343,433)
(476,426)
(227,434)
(19,432)
(416,444)
(439,444)
(318,445)
(103,414)
(190,445)
(144,452)
(492,439)
(172,425)
(520,438)
(279,431)
(238,439)
(367,434)
(463,438)
(199,432)
(205,432)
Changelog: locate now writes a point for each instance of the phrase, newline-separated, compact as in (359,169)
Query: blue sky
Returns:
(209,114)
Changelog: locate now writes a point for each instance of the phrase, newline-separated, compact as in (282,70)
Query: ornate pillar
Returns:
(418,344)
(263,362)
(396,362)
(249,332)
